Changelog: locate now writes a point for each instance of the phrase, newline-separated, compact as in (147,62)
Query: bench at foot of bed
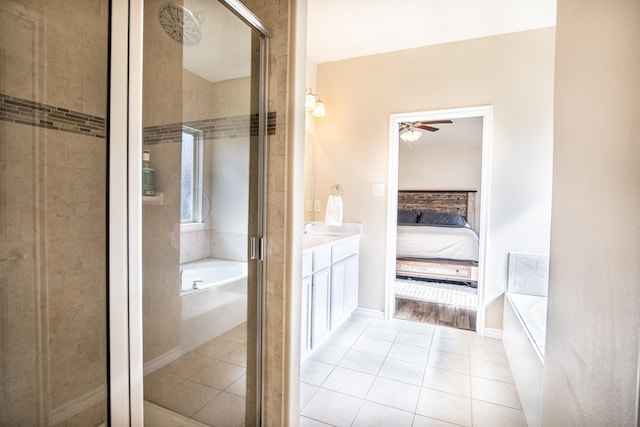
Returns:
(441,269)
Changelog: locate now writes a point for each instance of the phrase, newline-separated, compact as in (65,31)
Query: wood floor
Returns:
(439,314)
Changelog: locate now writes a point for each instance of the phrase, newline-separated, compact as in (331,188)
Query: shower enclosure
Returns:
(53,176)
(91,298)
(201,90)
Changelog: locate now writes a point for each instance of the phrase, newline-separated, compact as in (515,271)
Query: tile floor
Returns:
(402,373)
(369,373)
(207,384)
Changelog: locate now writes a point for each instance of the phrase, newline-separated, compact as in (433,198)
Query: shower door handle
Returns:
(257,248)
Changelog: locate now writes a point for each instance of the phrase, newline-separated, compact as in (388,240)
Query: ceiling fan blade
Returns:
(435,122)
(429,128)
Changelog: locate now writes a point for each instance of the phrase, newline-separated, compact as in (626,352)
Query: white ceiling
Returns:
(224,52)
(340,29)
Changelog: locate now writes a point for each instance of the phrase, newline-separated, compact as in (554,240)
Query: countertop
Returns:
(320,234)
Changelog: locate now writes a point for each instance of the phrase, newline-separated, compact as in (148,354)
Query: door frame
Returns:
(125,401)
(125,346)
(486,113)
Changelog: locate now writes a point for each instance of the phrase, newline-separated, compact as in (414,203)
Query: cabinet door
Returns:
(351,284)
(338,277)
(320,307)
(305,315)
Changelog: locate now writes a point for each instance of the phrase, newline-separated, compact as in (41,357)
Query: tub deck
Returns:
(528,308)
(202,274)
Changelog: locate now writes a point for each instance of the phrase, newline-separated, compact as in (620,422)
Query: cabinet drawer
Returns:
(342,250)
(307,266)
(321,258)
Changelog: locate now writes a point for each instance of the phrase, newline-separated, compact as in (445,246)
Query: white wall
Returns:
(512,72)
(591,363)
(227,167)
(227,183)
(311,76)
(440,168)
(310,129)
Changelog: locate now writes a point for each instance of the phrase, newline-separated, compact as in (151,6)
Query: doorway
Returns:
(439,176)
(484,114)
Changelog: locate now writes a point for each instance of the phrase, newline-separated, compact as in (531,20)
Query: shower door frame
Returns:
(125,372)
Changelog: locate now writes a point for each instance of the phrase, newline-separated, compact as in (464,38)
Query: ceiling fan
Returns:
(411,131)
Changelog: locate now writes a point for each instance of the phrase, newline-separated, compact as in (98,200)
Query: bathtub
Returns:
(214,300)
(199,275)
(524,331)
(532,313)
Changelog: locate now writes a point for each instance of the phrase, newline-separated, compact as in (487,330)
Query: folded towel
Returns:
(333,214)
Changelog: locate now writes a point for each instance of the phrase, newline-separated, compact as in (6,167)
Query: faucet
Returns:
(305,229)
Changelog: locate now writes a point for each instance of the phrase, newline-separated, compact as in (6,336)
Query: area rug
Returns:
(441,293)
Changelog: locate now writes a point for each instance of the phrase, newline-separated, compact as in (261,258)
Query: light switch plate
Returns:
(316,206)
(309,205)
(377,189)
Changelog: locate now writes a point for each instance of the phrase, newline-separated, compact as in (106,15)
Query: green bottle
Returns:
(147,174)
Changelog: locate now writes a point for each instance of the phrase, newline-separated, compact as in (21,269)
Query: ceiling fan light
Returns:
(410,135)
(318,110)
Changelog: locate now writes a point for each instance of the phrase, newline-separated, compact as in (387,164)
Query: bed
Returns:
(436,237)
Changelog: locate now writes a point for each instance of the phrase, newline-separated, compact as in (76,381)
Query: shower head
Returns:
(180,23)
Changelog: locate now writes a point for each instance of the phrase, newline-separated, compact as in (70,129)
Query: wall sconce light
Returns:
(313,103)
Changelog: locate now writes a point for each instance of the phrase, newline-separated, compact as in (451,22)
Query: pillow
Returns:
(408,217)
(440,219)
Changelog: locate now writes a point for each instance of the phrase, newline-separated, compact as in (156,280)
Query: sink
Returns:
(317,239)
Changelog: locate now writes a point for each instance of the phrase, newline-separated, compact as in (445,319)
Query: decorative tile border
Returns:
(23,111)
(224,127)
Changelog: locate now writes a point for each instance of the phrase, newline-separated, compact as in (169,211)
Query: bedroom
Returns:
(439,178)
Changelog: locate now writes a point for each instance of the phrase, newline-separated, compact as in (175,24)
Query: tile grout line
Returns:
(435,333)
(426,365)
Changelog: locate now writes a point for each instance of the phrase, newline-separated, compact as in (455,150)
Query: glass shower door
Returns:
(53,175)
(202,124)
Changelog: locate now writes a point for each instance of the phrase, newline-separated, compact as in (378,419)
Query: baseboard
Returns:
(162,360)
(67,410)
(366,312)
(493,333)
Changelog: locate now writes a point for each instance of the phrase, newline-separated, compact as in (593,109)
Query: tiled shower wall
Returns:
(52,212)
(280,406)
(161,256)
(528,274)
(277,15)
(162,104)
(174,97)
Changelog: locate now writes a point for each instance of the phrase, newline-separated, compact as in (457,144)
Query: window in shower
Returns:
(191,177)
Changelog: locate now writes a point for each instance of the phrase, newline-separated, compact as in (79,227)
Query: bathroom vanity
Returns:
(330,264)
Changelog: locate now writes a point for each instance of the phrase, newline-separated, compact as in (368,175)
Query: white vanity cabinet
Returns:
(305,309)
(320,295)
(344,280)
(329,289)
